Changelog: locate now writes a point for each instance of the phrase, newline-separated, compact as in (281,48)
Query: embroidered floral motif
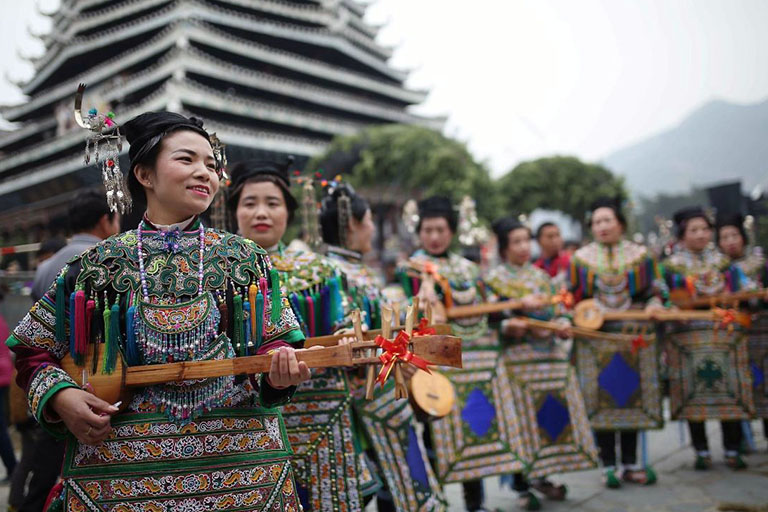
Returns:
(45,380)
(704,270)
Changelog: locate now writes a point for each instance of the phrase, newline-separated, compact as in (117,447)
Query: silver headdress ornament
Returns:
(470,231)
(345,214)
(410,218)
(104,144)
(310,224)
(220,156)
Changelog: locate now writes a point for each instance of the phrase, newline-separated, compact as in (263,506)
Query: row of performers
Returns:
(174,290)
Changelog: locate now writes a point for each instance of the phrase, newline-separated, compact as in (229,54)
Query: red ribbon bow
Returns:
(423,330)
(727,317)
(395,350)
(564,297)
(638,342)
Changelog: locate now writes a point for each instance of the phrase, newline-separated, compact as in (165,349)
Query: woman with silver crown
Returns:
(390,433)
(620,383)
(319,419)
(701,270)
(539,369)
(749,271)
(169,290)
(469,444)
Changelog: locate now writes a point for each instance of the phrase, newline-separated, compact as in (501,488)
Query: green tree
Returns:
(557,183)
(393,163)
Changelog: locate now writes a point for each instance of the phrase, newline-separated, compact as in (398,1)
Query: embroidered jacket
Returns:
(98,299)
(616,276)
(704,273)
(314,288)
(508,281)
(457,283)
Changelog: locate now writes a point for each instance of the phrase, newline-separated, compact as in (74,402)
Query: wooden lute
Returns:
(684,300)
(589,314)
(432,395)
(437,349)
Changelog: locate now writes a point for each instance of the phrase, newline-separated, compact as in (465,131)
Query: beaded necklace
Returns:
(182,331)
(601,267)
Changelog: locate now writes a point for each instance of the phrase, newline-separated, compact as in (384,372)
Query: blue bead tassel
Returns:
(131,347)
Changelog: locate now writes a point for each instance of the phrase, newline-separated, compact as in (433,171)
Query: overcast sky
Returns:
(520,79)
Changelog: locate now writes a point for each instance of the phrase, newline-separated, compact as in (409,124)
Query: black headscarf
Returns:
(145,131)
(502,228)
(731,219)
(683,215)
(242,172)
(438,206)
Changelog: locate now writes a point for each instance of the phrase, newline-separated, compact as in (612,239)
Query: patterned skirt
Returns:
(620,379)
(709,373)
(331,471)
(552,431)
(394,437)
(227,459)
(758,362)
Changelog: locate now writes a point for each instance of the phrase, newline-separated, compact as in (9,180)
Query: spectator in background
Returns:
(42,455)
(48,248)
(6,372)
(90,222)
(552,259)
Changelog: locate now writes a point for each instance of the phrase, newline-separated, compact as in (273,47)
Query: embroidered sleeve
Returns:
(38,352)
(46,382)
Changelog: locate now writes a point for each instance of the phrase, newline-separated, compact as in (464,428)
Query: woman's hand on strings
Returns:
(514,327)
(532,302)
(84,414)
(286,370)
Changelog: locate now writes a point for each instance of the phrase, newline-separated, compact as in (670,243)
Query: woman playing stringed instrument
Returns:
(517,278)
(262,206)
(749,271)
(619,275)
(169,290)
(389,424)
(703,271)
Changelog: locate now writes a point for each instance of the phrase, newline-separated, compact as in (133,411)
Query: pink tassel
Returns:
(89,307)
(80,326)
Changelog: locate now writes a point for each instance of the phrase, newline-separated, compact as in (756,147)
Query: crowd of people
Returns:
(539,393)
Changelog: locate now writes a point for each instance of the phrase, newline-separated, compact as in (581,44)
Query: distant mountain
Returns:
(720,141)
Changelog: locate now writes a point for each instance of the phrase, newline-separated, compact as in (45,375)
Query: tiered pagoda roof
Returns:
(269,76)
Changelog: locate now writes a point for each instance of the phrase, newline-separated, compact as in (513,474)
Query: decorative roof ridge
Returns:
(39,150)
(229,127)
(40,73)
(11,136)
(332,41)
(359,101)
(397,89)
(74,42)
(156,44)
(190,86)
(40,100)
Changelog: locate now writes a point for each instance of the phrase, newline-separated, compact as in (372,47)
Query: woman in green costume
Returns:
(331,471)
(169,290)
(535,351)
(619,275)
(698,267)
(749,271)
(390,430)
